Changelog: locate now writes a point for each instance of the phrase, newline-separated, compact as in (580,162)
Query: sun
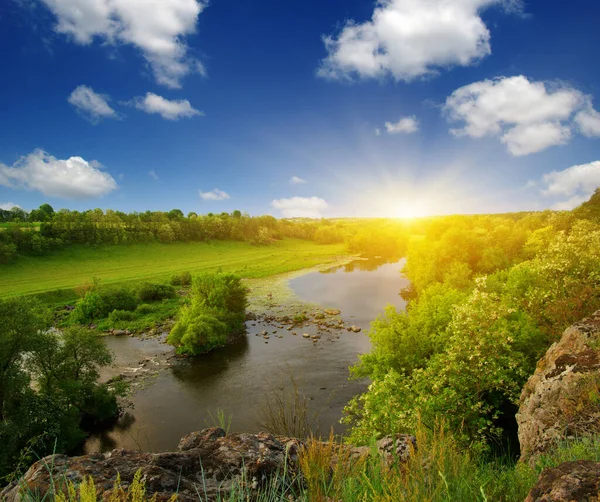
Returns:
(411,209)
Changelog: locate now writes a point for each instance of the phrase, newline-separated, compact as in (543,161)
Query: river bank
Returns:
(289,341)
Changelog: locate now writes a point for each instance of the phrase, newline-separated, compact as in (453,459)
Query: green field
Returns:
(72,267)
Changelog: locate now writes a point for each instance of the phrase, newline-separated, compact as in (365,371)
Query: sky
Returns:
(395,108)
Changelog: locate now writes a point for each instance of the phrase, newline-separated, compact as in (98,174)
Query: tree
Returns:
(21,322)
(175,214)
(49,390)
(48,209)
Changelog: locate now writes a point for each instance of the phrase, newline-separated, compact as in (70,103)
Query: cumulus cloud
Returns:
(571,187)
(152,174)
(7,206)
(525,139)
(215,194)
(410,38)
(157,29)
(168,109)
(73,178)
(300,207)
(576,180)
(406,125)
(91,105)
(588,121)
(528,116)
(295,180)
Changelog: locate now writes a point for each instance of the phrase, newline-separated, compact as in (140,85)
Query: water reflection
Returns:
(360,289)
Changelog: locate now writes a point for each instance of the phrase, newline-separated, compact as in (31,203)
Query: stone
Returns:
(398,448)
(572,481)
(207,463)
(555,402)
(305,335)
(332,311)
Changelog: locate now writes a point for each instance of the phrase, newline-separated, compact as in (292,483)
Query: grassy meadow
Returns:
(76,266)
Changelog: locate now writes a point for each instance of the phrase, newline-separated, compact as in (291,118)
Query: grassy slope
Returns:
(75,266)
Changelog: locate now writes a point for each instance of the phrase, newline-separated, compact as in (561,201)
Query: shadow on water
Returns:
(239,378)
(207,370)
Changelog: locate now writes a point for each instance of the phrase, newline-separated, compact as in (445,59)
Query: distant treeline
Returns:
(388,238)
(96,227)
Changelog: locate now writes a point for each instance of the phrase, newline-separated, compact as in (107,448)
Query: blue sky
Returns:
(337,108)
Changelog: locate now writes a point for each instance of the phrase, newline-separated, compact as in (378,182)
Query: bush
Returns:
(117,316)
(151,292)
(183,279)
(218,305)
(145,308)
(118,299)
(88,308)
(99,303)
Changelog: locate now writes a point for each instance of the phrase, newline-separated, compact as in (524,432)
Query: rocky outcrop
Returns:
(570,482)
(562,398)
(208,464)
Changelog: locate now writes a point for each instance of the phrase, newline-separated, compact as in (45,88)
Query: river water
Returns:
(183,397)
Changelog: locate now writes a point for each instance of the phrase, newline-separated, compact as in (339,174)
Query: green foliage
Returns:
(145,308)
(88,308)
(118,316)
(66,398)
(100,302)
(398,340)
(182,279)
(217,309)
(465,347)
(153,292)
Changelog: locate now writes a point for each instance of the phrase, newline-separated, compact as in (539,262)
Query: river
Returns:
(183,397)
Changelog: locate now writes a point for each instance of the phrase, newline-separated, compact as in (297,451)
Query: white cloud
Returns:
(215,194)
(156,28)
(571,203)
(406,125)
(91,105)
(295,180)
(152,174)
(582,179)
(377,132)
(527,116)
(74,178)
(168,109)
(588,121)
(410,38)
(532,138)
(7,206)
(573,186)
(300,207)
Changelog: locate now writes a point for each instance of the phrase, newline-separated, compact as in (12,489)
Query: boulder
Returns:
(569,482)
(398,448)
(561,399)
(207,463)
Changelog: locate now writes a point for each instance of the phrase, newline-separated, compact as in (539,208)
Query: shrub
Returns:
(98,303)
(217,309)
(183,279)
(117,316)
(118,299)
(145,308)
(151,292)
(88,308)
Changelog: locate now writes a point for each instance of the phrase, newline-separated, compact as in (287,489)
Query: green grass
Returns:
(53,277)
